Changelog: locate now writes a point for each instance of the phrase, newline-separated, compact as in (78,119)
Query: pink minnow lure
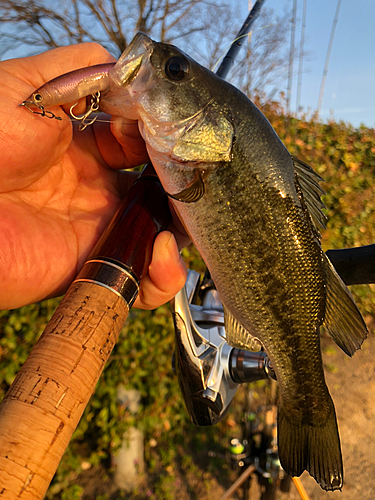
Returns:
(72,86)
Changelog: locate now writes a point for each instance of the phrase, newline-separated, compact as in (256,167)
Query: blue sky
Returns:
(350,84)
(349,93)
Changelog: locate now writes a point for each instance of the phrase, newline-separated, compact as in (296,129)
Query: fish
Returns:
(254,212)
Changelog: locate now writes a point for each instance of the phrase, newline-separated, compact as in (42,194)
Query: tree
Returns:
(203,28)
(262,67)
(109,22)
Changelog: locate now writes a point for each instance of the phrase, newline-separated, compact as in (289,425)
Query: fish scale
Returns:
(286,322)
(247,254)
(258,287)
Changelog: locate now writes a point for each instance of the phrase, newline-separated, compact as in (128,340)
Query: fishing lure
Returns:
(71,87)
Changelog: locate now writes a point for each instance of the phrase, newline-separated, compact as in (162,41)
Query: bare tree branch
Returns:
(204,28)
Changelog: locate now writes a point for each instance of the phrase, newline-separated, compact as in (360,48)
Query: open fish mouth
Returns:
(132,70)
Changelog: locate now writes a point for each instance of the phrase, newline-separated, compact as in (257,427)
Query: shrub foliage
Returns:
(345,157)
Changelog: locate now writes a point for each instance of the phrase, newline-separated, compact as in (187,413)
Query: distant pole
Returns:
(325,71)
(301,54)
(248,56)
(291,56)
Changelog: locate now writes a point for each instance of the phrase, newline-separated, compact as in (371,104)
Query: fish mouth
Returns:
(129,65)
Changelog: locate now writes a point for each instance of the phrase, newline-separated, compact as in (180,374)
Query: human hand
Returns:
(59,188)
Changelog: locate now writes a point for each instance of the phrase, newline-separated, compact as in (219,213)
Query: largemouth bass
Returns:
(253,211)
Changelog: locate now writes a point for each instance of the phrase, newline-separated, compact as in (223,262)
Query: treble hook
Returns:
(42,112)
(92,108)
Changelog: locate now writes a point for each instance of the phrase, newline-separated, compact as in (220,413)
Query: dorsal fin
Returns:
(312,192)
(237,336)
(343,320)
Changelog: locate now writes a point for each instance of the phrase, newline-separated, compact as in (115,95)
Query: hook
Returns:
(92,108)
(42,112)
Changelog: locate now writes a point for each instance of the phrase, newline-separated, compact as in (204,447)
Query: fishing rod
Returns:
(44,404)
(356,266)
(228,59)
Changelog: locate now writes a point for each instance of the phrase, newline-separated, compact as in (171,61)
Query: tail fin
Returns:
(312,448)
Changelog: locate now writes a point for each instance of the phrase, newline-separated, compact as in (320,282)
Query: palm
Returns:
(58,187)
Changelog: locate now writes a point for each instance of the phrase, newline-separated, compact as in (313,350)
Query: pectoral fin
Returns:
(237,336)
(343,320)
(192,193)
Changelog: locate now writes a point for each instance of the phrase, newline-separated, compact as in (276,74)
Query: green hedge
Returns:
(345,158)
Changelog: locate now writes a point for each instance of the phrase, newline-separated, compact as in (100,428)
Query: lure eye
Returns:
(38,97)
(177,68)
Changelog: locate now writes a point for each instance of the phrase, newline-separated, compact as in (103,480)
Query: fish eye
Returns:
(176,68)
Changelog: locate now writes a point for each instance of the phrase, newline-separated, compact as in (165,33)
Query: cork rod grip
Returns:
(45,402)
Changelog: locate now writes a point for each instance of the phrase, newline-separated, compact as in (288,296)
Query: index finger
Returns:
(28,142)
(39,69)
